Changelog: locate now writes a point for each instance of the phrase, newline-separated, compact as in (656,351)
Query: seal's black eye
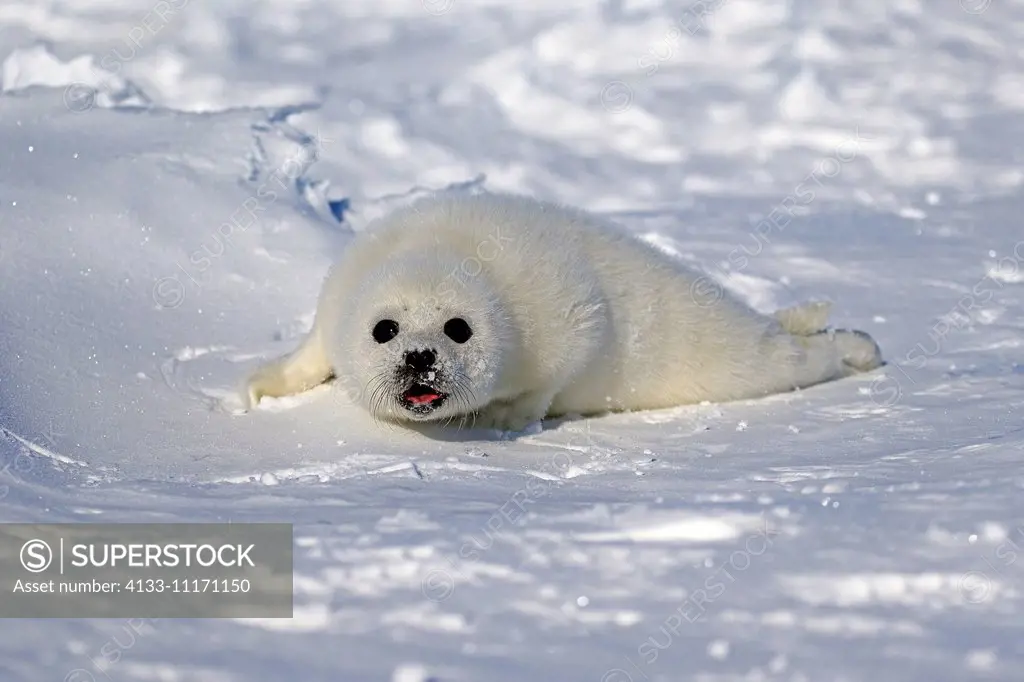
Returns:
(385,330)
(457,329)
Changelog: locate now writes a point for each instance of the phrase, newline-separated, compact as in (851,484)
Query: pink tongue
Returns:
(425,398)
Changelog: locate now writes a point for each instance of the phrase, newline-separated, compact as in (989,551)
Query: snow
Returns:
(170,173)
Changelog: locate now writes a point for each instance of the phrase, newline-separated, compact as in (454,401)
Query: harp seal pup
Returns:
(500,310)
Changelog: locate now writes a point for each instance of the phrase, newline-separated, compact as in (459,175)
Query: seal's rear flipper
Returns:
(834,354)
(858,350)
(303,369)
(804,319)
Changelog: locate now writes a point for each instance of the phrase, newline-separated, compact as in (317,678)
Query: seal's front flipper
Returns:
(303,369)
(515,414)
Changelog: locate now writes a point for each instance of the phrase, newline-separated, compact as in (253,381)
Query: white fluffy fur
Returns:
(570,316)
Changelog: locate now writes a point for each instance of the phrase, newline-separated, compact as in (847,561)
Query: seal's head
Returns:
(424,340)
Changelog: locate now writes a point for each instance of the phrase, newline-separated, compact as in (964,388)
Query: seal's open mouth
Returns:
(422,398)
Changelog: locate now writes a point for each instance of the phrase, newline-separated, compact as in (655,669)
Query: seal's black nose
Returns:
(420,360)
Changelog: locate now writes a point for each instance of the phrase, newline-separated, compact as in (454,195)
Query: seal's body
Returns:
(502,310)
